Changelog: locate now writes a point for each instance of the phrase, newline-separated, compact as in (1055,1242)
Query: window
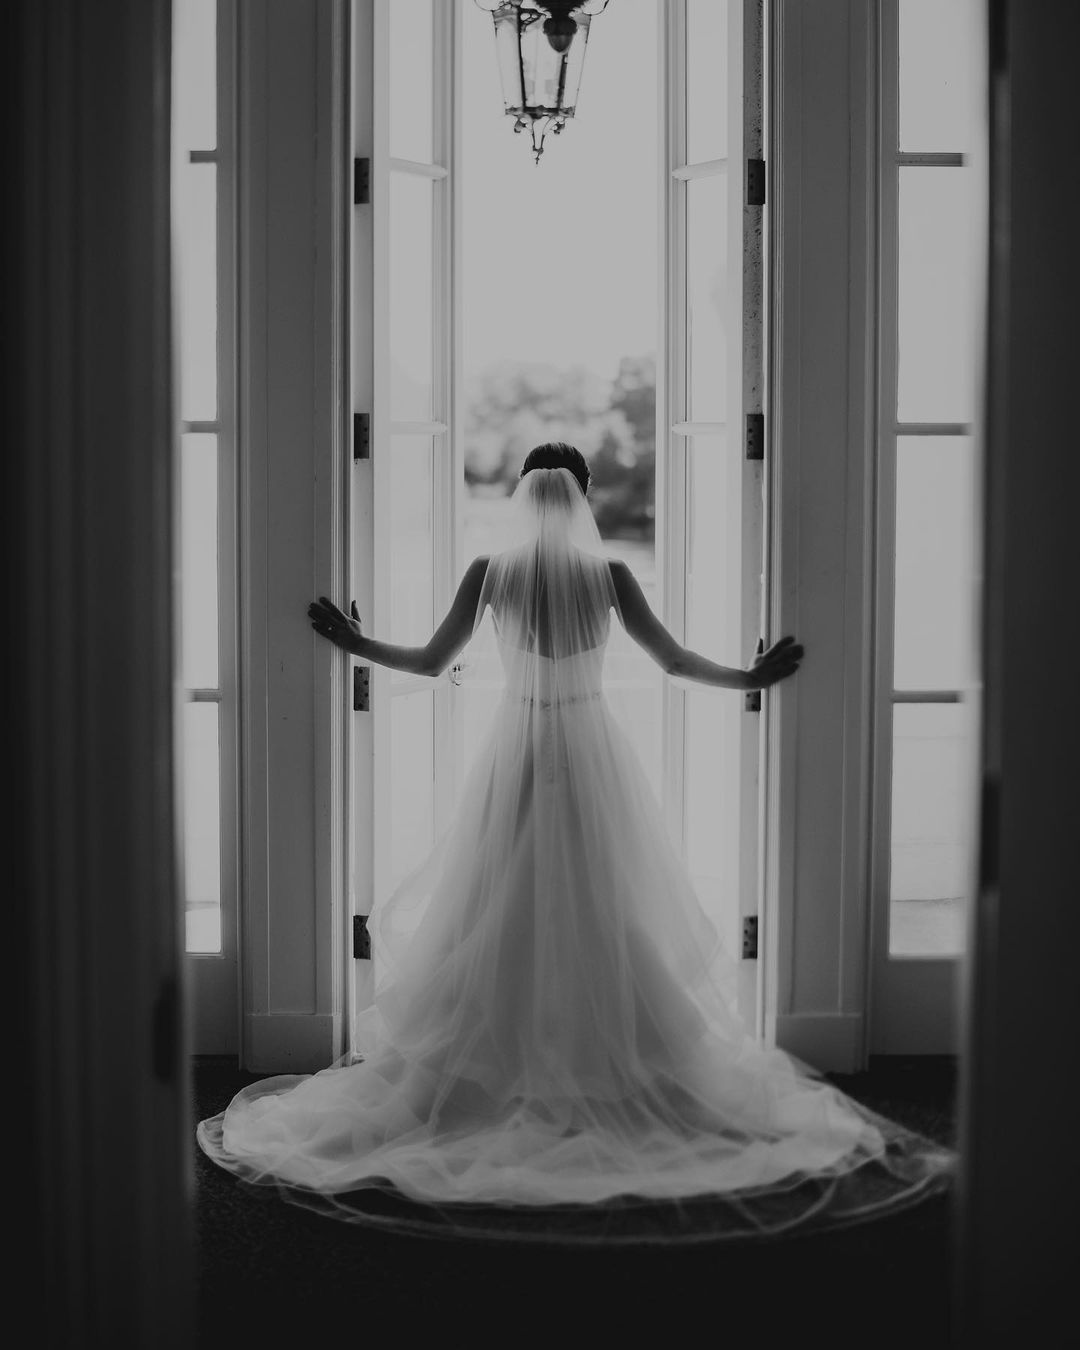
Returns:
(927,475)
(202,232)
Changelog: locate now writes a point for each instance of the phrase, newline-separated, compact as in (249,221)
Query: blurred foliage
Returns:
(515,405)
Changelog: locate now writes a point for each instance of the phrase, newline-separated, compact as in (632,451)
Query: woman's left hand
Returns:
(781,660)
(330,622)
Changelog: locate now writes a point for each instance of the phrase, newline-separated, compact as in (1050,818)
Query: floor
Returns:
(271,1274)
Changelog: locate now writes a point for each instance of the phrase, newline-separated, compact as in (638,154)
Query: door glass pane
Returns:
(936,322)
(706,79)
(711,804)
(412,781)
(412,557)
(202,827)
(935,40)
(936,596)
(195,224)
(633,682)
(706,298)
(199,560)
(410,82)
(194,88)
(932,786)
(709,504)
(410,297)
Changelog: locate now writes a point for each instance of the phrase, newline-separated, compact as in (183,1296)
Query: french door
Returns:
(410,744)
(407,485)
(710,440)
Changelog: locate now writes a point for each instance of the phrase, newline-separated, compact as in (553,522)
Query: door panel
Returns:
(710,495)
(405,750)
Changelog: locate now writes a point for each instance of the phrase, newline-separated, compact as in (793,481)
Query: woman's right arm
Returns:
(781,660)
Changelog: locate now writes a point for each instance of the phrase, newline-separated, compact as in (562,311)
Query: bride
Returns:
(549,1026)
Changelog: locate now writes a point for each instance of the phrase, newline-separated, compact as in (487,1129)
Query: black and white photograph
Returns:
(541,563)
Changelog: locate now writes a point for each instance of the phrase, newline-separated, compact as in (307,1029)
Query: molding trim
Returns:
(294,452)
(831,1042)
(290,1042)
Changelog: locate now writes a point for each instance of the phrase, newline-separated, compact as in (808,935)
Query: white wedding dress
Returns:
(549,1025)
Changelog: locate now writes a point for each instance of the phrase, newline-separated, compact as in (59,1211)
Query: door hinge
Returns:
(361,688)
(361,194)
(361,938)
(755,182)
(749,937)
(755,435)
(361,436)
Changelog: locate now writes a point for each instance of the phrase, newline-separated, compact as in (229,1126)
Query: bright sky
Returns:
(560,258)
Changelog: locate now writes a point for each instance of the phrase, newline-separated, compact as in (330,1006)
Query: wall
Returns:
(1020,1184)
(96,1088)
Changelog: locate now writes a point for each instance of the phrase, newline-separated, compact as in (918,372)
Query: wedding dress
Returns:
(550,1026)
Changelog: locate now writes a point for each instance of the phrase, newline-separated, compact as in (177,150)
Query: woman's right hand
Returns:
(330,622)
(781,660)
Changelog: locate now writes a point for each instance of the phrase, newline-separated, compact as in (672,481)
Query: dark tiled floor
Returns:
(271,1274)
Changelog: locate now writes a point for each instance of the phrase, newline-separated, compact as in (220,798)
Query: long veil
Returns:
(550,1040)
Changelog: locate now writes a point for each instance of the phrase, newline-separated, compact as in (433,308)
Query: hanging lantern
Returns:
(540,45)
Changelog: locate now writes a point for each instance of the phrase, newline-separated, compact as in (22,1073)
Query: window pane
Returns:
(410,297)
(202,827)
(412,558)
(708,505)
(936,597)
(706,80)
(706,298)
(933,745)
(412,775)
(411,70)
(194,90)
(199,560)
(936,374)
(195,220)
(935,42)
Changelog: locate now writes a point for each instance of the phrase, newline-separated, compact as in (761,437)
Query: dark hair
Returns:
(558,455)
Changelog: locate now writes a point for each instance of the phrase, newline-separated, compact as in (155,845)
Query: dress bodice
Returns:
(553,680)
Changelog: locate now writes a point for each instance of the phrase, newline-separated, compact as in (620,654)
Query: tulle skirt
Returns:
(551,1028)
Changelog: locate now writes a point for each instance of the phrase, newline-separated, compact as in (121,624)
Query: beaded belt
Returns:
(559,702)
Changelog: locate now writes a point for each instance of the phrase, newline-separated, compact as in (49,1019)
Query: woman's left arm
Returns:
(431,659)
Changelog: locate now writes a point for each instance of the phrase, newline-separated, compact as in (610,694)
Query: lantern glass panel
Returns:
(536,79)
(506,49)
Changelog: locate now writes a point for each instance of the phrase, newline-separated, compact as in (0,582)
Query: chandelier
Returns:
(540,46)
